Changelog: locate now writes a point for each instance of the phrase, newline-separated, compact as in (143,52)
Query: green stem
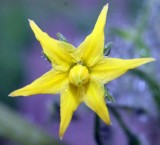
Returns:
(132,139)
(152,83)
(97,130)
(128,108)
(17,129)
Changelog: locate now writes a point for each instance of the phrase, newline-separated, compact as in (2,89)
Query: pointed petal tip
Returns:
(149,59)
(11,94)
(60,136)
(32,24)
(30,21)
(108,121)
(152,59)
(107,5)
(16,93)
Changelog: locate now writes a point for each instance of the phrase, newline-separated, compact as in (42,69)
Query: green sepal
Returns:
(108,97)
(107,48)
(45,57)
(61,37)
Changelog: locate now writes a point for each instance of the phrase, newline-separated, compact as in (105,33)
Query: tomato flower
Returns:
(78,74)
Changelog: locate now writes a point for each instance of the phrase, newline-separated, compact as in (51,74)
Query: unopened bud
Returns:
(79,75)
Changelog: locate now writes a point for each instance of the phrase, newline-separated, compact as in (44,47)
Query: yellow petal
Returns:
(94,99)
(70,100)
(111,68)
(50,83)
(60,53)
(91,50)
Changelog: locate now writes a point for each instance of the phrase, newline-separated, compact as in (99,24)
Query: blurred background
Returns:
(134,29)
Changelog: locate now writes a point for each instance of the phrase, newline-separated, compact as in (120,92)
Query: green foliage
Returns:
(135,6)
(152,83)
(17,129)
(12,39)
(135,34)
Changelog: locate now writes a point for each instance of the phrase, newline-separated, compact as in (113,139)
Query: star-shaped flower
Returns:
(78,74)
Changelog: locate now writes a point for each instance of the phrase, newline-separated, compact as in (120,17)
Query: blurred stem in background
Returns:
(132,138)
(152,83)
(114,109)
(17,129)
(135,35)
(97,135)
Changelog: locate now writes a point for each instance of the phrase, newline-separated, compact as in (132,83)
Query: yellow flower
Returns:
(78,74)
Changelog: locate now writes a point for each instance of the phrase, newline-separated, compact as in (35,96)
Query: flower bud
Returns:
(79,75)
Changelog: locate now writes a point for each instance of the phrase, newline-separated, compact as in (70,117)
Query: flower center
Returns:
(78,75)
